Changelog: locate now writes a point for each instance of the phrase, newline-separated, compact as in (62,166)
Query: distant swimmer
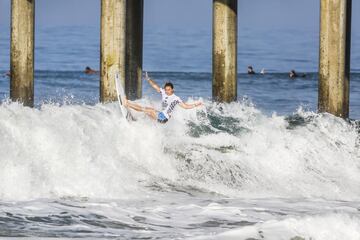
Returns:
(8,73)
(250,70)
(169,102)
(89,70)
(293,74)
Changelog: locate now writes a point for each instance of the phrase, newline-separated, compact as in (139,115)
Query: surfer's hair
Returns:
(169,84)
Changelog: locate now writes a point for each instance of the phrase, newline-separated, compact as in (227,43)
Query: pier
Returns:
(334,57)
(121,51)
(134,48)
(112,47)
(22,51)
(224,50)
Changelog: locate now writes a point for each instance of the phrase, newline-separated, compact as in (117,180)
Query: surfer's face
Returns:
(168,90)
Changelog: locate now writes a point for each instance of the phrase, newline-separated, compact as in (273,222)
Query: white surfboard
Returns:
(120,95)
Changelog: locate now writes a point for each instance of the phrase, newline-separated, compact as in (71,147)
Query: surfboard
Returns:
(120,95)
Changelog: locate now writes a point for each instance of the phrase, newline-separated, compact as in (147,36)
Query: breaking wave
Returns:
(228,149)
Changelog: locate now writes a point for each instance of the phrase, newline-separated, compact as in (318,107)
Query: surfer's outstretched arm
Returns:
(152,82)
(190,106)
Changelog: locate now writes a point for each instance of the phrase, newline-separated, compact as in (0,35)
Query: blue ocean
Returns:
(184,58)
(265,167)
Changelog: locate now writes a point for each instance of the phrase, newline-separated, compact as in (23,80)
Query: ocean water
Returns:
(265,167)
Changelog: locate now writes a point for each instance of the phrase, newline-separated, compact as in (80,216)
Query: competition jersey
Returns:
(168,103)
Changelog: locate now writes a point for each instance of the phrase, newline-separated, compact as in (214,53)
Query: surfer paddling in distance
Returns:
(169,102)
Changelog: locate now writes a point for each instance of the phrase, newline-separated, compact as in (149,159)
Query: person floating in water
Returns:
(293,74)
(89,70)
(169,102)
(8,74)
(250,70)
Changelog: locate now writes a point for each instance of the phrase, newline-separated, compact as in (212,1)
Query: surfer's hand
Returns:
(146,77)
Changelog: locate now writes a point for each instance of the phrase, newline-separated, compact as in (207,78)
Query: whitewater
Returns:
(224,171)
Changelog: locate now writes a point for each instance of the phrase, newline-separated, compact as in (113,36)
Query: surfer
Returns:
(169,102)
(293,74)
(88,70)
(250,70)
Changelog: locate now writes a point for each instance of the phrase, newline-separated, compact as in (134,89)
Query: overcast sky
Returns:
(184,13)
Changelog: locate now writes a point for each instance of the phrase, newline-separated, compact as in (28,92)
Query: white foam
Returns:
(326,227)
(86,151)
(82,151)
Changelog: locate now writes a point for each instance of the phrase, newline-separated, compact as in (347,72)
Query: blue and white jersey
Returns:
(168,103)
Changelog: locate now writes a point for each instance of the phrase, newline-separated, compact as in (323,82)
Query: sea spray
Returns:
(231,149)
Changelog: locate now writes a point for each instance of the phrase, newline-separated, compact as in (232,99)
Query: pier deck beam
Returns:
(112,47)
(224,84)
(134,48)
(334,62)
(22,51)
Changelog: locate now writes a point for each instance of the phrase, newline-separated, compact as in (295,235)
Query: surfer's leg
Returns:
(134,106)
(151,112)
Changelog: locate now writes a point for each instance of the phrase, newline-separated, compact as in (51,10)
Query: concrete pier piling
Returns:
(334,62)
(22,51)
(224,86)
(112,47)
(134,48)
